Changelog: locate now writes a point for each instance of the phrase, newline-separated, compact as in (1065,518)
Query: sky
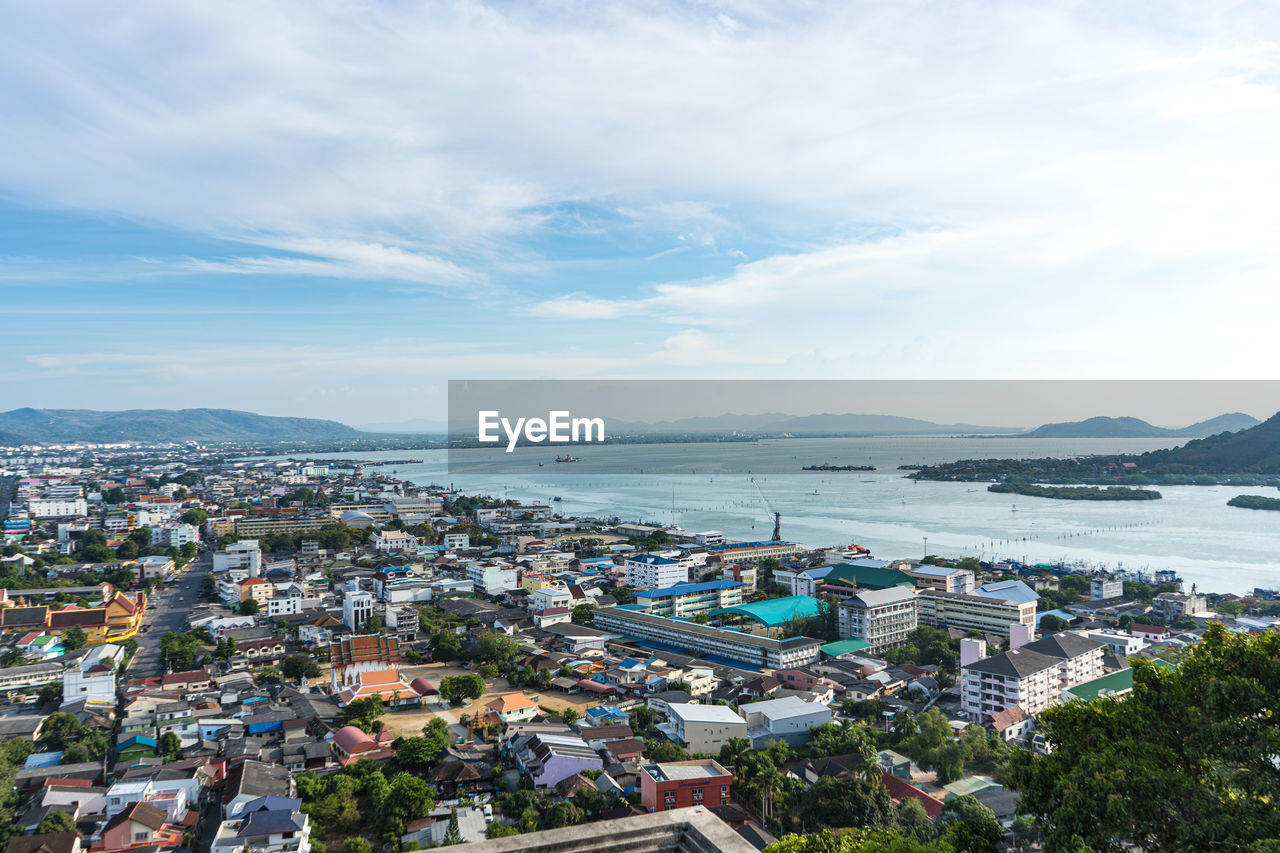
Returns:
(330,209)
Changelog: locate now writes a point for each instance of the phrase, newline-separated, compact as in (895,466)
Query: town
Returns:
(203,652)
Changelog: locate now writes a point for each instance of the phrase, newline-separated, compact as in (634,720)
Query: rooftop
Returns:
(688,588)
(679,771)
(776,611)
(694,713)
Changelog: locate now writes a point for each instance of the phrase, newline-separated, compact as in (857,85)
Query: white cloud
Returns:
(342,259)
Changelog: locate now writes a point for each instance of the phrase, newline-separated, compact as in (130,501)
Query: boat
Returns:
(828,467)
(568,459)
(557,498)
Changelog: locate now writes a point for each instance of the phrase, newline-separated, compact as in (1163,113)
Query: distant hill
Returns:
(45,426)
(416,425)
(1254,450)
(1102,427)
(774,423)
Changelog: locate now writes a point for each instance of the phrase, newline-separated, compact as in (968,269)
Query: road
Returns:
(166,613)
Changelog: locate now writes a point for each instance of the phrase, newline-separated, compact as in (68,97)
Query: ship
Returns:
(828,467)
(568,459)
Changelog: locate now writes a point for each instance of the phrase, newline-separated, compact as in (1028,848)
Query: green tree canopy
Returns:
(56,822)
(1186,762)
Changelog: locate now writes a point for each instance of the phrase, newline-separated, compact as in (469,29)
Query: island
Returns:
(1076,493)
(1254,502)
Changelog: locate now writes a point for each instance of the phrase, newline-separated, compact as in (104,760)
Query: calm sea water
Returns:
(1191,531)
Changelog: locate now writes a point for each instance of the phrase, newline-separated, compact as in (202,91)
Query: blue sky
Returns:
(331,209)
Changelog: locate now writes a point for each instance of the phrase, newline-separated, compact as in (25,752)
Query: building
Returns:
(1102,588)
(680,784)
(847,578)
(258,589)
(1008,591)
(1171,606)
(456,541)
(1149,633)
(493,578)
(512,708)
(943,578)
(551,757)
(240,555)
(391,541)
(551,596)
(357,608)
(748,552)
(57,507)
(738,649)
(690,830)
(882,617)
(653,571)
(787,719)
(939,609)
(703,729)
(1031,676)
(155,566)
(689,599)
(174,535)
(93,678)
(1116,643)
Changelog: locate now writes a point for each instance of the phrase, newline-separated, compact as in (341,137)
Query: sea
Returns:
(1191,530)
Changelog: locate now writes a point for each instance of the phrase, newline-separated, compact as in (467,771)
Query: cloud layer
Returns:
(980,189)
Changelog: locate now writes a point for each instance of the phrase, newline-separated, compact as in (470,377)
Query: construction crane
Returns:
(777,516)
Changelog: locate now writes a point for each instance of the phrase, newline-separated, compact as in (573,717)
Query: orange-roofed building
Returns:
(385,684)
(513,708)
(259,589)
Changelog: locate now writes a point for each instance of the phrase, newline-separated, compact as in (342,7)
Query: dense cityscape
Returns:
(207,652)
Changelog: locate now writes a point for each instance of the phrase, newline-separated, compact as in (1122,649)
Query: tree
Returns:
(857,841)
(1230,606)
(178,651)
(295,667)
(445,646)
(170,746)
(583,614)
(61,730)
(208,585)
(500,830)
(563,813)
(1050,624)
(734,754)
(50,693)
(74,638)
(661,751)
(455,688)
(250,607)
(356,844)
(496,648)
(1184,762)
(569,715)
(56,822)
(846,801)
(971,826)
(363,714)
(1125,622)
(863,709)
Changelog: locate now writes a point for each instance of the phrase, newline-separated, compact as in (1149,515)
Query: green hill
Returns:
(1254,450)
(1103,427)
(53,426)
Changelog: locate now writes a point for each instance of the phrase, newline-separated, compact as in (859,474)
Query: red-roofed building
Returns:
(194,679)
(901,790)
(259,589)
(1149,633)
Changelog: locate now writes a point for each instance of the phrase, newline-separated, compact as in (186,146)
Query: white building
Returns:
(493,578)
(882,617)
(174,535)
(647,571)
(57,507)
(550,596)
(944,578)
(456,541)
(391,541)
(93,677)
(240,555)
(1116,643)
(703,729)
(1101,588)
(1031,676)
(357,608)
(787,719)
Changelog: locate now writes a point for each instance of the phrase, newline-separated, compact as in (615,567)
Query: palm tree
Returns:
(872,773)
(768,782)
(735,754)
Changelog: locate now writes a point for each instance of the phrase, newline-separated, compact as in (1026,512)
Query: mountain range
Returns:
(1253,450)
(776,423)
(1102,427)
(58,426)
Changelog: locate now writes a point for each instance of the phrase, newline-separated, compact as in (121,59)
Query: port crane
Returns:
(777,516)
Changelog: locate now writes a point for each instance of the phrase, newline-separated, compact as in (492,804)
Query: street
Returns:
(166,613)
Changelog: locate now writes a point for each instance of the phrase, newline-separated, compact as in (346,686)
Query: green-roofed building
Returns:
(970,785)
(847,578)
(1115,684)
(844,647)
(775,612)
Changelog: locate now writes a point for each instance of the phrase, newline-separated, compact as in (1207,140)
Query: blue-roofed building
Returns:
(689,599)
(1008,591)
(802,581)
(1061,614)
(606,715)
(775,612)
